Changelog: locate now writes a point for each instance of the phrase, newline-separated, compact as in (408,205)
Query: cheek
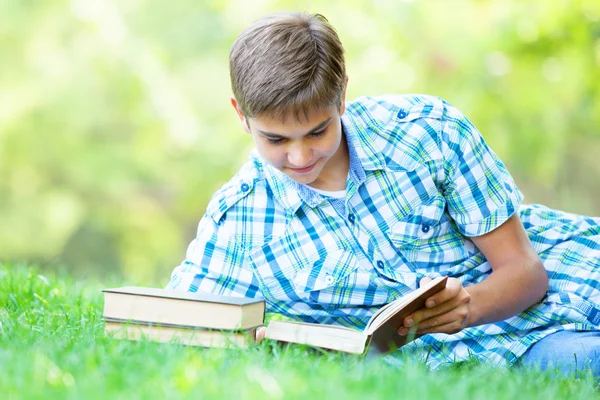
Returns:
(329,146)
(273,155)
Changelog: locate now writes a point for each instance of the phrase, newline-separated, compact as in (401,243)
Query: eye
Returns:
(318,134)
(275,141)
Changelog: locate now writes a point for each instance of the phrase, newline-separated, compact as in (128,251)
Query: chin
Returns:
(303,180)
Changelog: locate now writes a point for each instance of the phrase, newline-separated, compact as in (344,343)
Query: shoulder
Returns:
(244,186)
(244,208)
(405,129)
(397,108)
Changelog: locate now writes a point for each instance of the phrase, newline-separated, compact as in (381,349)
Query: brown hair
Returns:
(287,62)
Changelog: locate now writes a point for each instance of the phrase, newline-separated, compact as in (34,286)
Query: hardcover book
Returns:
(171,307)
(187,335)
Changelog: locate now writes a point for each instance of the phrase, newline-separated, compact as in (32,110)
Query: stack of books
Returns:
(195,319)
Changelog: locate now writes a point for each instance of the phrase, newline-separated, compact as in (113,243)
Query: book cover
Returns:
(153,305)
(187,335)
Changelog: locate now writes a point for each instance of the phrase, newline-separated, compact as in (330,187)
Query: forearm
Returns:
(505,293)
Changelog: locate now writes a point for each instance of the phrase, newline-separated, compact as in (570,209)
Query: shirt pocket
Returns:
(317,275)
(422,223)
(427,239)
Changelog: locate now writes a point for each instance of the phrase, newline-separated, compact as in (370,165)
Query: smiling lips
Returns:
(304,170)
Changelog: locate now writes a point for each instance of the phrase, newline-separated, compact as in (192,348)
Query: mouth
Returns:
(304,170)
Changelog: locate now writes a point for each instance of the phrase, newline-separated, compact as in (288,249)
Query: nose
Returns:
(299,155)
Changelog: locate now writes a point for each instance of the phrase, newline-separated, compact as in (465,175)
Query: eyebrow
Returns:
(320,126)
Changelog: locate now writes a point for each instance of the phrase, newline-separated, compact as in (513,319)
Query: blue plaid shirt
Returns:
(421,182)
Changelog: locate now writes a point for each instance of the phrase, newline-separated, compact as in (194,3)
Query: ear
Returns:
(240,115)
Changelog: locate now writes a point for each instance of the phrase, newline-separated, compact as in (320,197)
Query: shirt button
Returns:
(244,187)
(329,279)
(402,114)
(351,218)
(425,228)
(380,264)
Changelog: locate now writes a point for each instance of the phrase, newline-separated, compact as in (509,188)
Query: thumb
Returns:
(260,334)
(424,281)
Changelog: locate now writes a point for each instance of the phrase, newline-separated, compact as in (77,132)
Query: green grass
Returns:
(52,346)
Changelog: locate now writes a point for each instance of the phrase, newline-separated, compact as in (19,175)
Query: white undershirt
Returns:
(338,194)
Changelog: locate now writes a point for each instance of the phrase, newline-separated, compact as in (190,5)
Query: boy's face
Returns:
(306,150)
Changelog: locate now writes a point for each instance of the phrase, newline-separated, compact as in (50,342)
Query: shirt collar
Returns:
(289,193)
(360,139)
(363,154)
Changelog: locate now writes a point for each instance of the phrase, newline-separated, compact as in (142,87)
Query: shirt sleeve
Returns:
(215,264)
(480,192)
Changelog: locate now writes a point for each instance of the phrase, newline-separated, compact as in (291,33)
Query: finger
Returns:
(260,334)
(453,287)
(460,314)
(402,331)
(424,281)
(423,314)
(449,328)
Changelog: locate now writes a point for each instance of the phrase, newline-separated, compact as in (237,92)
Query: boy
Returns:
(344,207)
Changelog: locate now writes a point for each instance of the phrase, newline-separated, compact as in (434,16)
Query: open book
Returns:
(381,332)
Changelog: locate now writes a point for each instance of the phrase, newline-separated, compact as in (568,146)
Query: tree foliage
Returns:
(116,128)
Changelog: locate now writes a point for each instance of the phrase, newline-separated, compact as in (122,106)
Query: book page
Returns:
(386,312)
(383,310)
(321,327)
(326,336)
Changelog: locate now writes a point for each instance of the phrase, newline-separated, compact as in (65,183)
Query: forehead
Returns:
(293,120)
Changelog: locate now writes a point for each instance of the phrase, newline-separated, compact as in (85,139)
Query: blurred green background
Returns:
(116,128)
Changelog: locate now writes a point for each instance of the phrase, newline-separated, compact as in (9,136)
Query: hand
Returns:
(261,333)
(445,312)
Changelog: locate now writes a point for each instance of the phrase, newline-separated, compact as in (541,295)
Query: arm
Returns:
(483,200)
(215,264)
(518,280)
